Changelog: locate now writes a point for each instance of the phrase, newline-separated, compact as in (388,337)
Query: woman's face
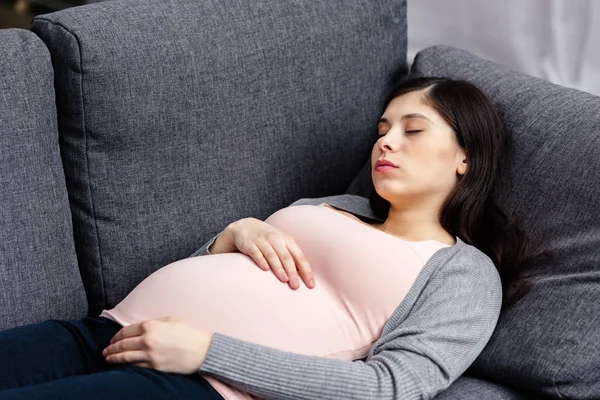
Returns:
(415,138)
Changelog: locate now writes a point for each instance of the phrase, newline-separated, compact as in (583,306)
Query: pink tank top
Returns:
(362,274)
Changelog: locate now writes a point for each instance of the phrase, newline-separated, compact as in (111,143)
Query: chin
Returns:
(386,188)
(383,194)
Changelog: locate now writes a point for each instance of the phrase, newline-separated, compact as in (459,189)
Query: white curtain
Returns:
(558,40)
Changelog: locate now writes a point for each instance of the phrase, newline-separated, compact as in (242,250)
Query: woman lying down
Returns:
(385,298)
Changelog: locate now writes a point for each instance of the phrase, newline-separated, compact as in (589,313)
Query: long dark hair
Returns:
(469,211)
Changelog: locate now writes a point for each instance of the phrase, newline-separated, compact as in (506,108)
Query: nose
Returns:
(389,142)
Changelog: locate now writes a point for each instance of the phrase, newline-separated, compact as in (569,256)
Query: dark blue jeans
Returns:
(56,360)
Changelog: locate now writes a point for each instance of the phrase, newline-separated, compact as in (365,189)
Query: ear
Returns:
(463,162)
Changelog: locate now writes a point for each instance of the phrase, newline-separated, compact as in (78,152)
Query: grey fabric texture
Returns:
(39,278)
(548,341)
(177,118)
(469,388)
(429,341)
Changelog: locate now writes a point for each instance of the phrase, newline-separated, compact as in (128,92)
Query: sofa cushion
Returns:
(548,340)
(39,278)
(178,118)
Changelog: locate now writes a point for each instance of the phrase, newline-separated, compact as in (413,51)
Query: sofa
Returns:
(132,131)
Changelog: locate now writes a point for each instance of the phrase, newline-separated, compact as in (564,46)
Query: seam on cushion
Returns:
(556,389)
(91,197)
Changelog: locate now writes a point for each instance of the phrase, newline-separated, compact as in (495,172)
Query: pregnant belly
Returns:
(229,294)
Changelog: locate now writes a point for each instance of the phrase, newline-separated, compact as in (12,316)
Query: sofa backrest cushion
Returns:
(178,118)
(548,340)
(39,278)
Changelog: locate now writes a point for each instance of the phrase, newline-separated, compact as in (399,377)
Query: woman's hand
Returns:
(272,249)
(165,344)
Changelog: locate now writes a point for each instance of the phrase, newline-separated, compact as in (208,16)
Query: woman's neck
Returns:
(416,224)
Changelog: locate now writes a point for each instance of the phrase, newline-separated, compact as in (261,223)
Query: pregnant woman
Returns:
(391,297)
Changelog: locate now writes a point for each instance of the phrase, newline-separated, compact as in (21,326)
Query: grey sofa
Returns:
(133,131)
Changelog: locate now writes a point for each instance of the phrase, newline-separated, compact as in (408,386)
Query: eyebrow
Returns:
(405,117)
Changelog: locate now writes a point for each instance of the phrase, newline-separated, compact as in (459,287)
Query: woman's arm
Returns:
(204,250)
(269,248)
(429,342)
(223,242)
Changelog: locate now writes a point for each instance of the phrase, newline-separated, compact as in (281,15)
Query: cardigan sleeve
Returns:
(203,251)
(425,345)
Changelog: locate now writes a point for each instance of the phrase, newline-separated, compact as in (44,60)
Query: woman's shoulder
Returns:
(450,315)
(461,272)
(469,261)
(469,269)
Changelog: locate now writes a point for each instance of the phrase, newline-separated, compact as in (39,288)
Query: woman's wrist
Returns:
(224,242)
(206,341)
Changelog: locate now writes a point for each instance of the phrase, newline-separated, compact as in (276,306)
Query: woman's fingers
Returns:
(280,245)
(258,258)
(283,256)
(302,264)
(273,259)
(134,356)
(128,350)
(132,343)
(128,331)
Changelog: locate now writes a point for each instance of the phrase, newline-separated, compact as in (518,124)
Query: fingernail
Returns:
(311,282)
(104,352)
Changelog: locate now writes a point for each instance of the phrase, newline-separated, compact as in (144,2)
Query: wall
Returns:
(558,40)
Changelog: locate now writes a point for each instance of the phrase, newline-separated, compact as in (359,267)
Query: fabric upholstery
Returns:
(469,388)
(39,278)
(178,118)
(548,341)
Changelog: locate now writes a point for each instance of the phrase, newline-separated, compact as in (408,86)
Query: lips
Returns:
(385,163)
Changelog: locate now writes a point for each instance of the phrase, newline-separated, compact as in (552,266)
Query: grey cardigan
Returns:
(433,336)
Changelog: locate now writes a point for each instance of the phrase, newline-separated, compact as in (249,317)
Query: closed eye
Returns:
(411,132)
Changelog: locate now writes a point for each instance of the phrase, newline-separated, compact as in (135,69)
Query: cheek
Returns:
(436,160)
(374,155)
(446,169)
